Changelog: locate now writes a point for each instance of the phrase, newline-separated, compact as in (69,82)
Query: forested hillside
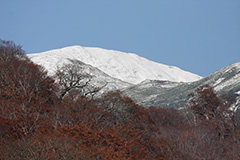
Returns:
(61,118)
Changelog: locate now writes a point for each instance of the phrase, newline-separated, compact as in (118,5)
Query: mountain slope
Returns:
(99,78)
(127,67)
(169,94)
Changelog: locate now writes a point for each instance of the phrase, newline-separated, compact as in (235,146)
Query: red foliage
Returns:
(37,124)
(205,102)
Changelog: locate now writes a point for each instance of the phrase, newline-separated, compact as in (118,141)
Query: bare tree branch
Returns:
(72,77)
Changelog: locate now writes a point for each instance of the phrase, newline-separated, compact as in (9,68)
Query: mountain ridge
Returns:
(126,72)
(128,67)
(154,93)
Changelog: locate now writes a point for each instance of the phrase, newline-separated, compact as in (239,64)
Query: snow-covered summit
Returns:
(127,67)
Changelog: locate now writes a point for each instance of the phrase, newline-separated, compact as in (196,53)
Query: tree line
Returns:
(61,118)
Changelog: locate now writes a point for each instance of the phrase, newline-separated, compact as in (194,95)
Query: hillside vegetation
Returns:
(43,118)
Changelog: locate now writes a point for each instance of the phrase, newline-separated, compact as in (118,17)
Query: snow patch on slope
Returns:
(127,67)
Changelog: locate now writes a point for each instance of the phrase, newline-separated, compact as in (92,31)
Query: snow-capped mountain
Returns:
(173,94)
(127,67)
(146,82)
(99,78)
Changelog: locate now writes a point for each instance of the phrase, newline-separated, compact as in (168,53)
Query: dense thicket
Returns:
(36,122)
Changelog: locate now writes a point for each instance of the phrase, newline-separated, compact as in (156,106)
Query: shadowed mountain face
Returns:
(173,94)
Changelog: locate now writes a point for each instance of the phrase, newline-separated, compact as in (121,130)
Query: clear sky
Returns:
(200,36)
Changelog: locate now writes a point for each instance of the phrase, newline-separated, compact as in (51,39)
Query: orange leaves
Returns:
(205,102)
(108,143)
(36,124)
(21,81)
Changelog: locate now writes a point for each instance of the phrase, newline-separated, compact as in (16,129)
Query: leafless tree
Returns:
(73,78)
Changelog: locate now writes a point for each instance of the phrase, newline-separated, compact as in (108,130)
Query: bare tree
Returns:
(73,78)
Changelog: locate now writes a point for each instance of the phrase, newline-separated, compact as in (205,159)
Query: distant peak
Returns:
(128,67)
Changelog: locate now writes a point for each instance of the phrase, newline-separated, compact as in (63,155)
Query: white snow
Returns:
(127,67)
(238,92)
(234,80)
(218,81)
(236,105)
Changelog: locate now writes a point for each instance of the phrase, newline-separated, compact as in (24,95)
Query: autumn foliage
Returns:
(37,123)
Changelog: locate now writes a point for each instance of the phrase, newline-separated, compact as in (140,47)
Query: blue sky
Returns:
(200,36)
